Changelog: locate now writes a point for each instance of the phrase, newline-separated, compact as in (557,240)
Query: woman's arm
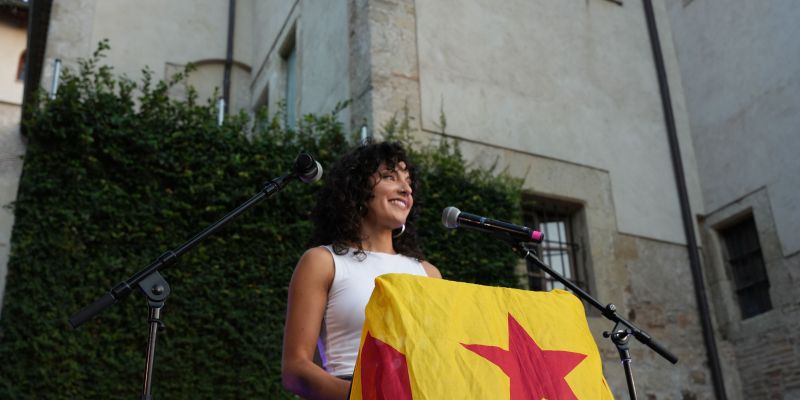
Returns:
(432,271)
(308,296)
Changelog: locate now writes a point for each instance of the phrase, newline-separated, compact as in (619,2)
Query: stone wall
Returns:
(570,80)
(649,281)
(384,74)
(161,36)
(647,277)
(767,346)
(12,148)
(660,299)
(740,64)
(564,96)
(12,44)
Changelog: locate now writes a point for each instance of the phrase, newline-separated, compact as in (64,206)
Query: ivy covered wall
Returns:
(117,172)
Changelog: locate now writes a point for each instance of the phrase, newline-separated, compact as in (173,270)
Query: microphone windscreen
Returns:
(314,175)
(450,217)
(306,168)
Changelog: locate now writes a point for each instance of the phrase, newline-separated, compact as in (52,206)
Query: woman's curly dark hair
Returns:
(342,201)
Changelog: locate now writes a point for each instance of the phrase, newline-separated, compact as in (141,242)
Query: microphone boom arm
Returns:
(124,288)
(609,311)
(153,285)
(519,237)
(622,330)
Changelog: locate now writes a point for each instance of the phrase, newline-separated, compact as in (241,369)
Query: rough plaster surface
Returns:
(325,58)
(12,148)
(549,78)
(740,64)
(156,35)
(203,79)
(154,32)
(274,22)
(269,24)
(12,44)
(69,36)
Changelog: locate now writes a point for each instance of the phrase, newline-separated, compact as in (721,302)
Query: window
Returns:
(749,275)
(289,55)
(559,249)
(21,66)
(263,100)
(261,110)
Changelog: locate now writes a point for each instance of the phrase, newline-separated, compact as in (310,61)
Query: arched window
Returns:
(22,66)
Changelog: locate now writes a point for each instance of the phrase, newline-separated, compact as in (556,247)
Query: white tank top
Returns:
(353,281)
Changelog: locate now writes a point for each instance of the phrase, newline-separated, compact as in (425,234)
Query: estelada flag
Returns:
(429,338)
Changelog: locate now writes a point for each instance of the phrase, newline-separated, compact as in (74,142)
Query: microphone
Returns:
(306,168)
(454,218)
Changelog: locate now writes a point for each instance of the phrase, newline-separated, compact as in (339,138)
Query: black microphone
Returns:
(454,218)
(306,168)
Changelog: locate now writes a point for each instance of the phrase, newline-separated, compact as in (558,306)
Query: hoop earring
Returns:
(402,231)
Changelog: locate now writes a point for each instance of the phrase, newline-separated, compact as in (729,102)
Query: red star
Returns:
(534,373)
(384,372)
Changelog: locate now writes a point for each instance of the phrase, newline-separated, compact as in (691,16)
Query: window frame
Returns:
(743,253)
(538,210)
(290,58)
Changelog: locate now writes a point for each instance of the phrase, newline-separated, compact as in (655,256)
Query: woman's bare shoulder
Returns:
(431,270)
(316,263)
(317,254)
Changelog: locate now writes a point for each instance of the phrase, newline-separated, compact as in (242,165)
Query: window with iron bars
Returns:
(560,249)
(746,262)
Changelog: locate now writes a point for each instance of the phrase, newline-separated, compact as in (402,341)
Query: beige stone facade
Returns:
(13,25)
(12,47)
(741,71)
(562,94)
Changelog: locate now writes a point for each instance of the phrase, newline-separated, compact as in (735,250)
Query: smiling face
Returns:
(391,199)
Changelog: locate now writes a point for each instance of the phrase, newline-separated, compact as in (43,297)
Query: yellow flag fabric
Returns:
(428,338)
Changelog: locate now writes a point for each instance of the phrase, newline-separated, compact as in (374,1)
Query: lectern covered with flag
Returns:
(435,339)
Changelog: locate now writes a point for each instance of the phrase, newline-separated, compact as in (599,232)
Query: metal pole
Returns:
(155,315)
(226,80)
(220,111)
(695,266)
(56,75)
(364,134)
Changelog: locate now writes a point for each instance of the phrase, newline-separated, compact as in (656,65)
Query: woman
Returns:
(363,227)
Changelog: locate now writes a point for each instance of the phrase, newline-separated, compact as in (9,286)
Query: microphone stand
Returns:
(156,289)
(622,331)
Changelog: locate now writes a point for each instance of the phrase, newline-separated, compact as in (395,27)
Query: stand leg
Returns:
(626,364)
(620,337)
(156,289)
(155,323)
